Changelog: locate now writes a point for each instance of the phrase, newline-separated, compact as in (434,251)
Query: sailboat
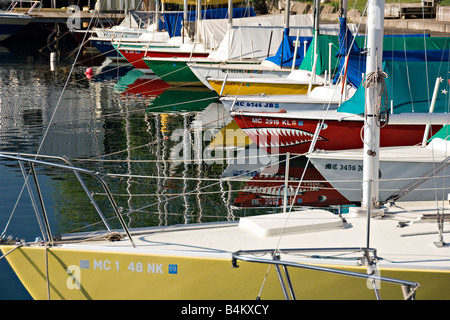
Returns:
(320,98)
(237,61)
(246,43)
(408,172)
(406,112)
(298,81)
(414,47)
(136,26)
(195,261)
(310,254)
(294,131)
(12,22)
(290,54)
(179,45)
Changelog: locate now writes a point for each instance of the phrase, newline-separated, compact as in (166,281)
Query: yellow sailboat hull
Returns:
(248,88)
(61,273)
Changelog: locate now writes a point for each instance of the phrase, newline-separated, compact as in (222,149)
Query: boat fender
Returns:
(89,73)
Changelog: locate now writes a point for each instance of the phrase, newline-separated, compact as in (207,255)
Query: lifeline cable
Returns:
(46,132)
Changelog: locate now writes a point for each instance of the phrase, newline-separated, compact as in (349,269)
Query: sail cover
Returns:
(323,54)
(399,48)
(286,51)
(173,20)
(409,87)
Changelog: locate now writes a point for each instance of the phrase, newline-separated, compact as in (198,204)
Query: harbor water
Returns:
(148,142)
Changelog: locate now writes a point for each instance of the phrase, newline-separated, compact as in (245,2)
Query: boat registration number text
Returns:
(138,267)
(343,167)
(284,122)
(257,104)
(74,271)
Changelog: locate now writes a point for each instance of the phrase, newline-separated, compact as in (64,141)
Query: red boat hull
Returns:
(135,57)
(280,135)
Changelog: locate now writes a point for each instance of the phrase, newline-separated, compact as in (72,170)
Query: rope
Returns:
(371,80)
(111,236)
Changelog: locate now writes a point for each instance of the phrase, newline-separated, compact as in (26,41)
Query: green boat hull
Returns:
(175,73)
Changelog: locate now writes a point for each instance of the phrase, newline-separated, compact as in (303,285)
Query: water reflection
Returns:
(305,187)
(136,84)
(163,150)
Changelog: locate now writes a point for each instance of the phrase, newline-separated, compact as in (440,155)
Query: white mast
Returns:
(375,26)
(230,14)
(230,27)
(197,21)
(185,19)
(157,16)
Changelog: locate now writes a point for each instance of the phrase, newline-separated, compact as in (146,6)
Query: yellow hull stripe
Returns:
(242,88)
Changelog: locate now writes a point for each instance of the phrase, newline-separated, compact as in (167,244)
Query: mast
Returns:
(157,16)
(343,10)
(316,24)
(316,38)
(375,26)
(230,26)
(197,21)
(185,20)
(230,14)
(288,12)
(286,29)
(343,16)
(342,46)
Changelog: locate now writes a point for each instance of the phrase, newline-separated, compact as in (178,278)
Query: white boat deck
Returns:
(409,247)
(319,95)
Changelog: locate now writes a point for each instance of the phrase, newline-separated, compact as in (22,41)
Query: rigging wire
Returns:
(201,188)
(43,138)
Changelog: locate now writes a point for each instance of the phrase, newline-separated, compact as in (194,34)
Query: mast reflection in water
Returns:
(163,159)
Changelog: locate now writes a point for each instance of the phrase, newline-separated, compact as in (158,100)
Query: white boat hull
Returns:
(320,98)
(399,166)
(204,71)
